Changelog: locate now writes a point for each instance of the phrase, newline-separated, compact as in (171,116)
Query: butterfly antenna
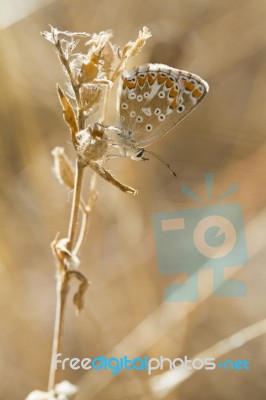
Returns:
(162,161)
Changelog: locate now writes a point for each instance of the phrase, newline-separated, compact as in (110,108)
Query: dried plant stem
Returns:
(63,277)
(68,70)
(81,118)
(61,297)
(86,215)
(89,77)
(62,274)
(105,105)
(117,70)
(83,229)
(162,385)
(75,204)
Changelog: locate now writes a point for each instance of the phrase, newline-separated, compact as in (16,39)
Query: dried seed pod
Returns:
(91,144)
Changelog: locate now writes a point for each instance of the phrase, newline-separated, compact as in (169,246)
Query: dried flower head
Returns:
(131,49)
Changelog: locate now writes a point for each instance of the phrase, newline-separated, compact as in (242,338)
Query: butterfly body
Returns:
(152,100)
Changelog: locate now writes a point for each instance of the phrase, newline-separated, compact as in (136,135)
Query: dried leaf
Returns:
(130,49)
(98,41)
(110,178)
(69,260)
(61,247)
(89,96)
(89,70)
(108,56)
(68,112)
(133,48)
(78,298)
(71,34)
(52,36)
(49,36)
(68,46)
(119,53)
(118,70)
(63,168)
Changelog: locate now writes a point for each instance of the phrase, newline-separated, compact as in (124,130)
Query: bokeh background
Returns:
(125,313)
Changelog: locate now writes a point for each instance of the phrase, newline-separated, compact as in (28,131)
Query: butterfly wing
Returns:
(154,98)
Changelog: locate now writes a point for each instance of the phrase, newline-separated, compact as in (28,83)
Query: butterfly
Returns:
(153,99)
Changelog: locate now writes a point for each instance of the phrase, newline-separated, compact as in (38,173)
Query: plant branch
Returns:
(68,70)
(61,297)
(75,204)
(62,276)
(86,214)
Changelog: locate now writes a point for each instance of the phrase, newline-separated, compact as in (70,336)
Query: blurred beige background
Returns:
(225,43)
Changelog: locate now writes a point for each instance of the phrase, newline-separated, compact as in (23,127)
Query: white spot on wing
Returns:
(154,89)
(146,111)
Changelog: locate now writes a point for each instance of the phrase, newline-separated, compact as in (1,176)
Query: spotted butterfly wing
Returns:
(153,99)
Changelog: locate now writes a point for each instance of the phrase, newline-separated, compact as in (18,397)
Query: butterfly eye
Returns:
(157,111)
(161,95)
(125,106)
(146,95)
(139,98)
(139,119)
(132,114)
(148,127)
(172,78)
(193,81)
(161,117)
